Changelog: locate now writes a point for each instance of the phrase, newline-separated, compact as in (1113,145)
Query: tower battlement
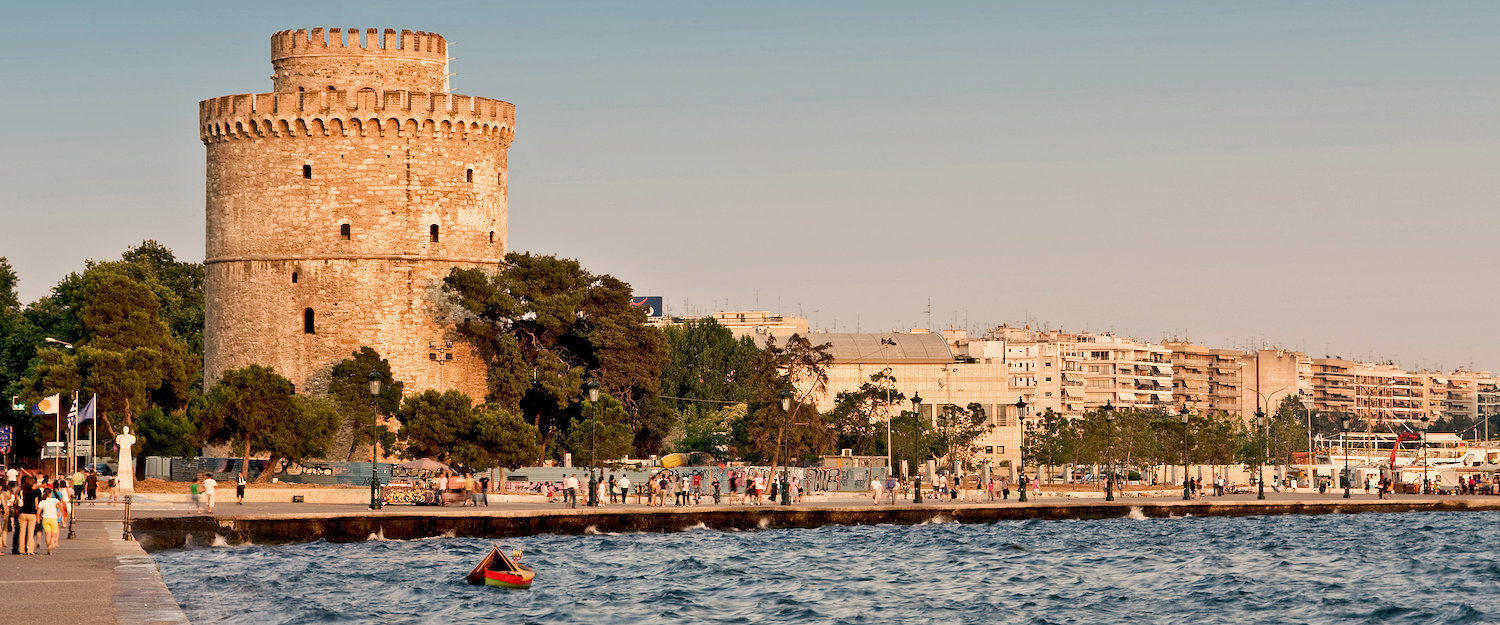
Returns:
(374,42)
(335,59)
(364,112)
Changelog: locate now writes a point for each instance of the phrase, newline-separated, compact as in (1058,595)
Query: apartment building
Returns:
(1075,372)
(1205,379)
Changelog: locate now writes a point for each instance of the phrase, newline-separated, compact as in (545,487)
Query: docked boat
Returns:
(500,570)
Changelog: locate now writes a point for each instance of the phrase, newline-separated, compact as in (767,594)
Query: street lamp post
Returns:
(1344,447)
(57,421)
(374,439)
(593,387)
(1260,461)
(786,482)
(1109,430)
(1422,426)
(1187,492)
(916,435)
(1021,414)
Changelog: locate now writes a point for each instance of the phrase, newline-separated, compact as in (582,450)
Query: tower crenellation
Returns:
(334,59)
(338,202)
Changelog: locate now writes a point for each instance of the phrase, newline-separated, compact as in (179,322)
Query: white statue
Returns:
(127,463)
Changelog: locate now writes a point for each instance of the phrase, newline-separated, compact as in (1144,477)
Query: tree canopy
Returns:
(545,325)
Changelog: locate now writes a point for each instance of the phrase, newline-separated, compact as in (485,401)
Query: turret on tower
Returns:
(336,60)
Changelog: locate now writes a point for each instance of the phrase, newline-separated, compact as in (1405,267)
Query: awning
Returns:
(1073,391)
(1126,395)
(1163,367)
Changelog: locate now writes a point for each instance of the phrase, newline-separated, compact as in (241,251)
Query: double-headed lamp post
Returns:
(1187,489)
(593,387)
(916,449)
(1260,462)
(1344,447)
(1021,416)
(786,482)
(374,439)
(1109,430)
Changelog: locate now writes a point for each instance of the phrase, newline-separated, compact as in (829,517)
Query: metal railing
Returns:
(124,520)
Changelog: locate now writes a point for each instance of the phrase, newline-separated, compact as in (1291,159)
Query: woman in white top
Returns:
(49,507)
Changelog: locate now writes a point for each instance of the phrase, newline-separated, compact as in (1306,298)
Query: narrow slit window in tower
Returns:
(468,175)
(307,321)
(492,236)
(294,277)
(434,233)
(307,172)
(344,232)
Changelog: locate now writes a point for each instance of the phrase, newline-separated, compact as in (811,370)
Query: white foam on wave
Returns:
(592,530)
(937,520)
(1136,514)
(764,523)
(378,536)
(219,541)
(696,526)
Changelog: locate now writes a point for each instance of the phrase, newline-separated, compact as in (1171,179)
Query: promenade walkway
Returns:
(93,578)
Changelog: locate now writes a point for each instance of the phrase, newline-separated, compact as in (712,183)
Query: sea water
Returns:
(1365,568)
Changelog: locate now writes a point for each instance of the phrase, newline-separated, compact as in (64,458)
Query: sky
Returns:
(1317,176)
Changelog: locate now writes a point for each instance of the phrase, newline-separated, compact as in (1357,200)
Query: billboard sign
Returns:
(5,439)
(652,304)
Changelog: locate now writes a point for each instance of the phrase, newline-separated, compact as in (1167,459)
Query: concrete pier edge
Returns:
(140,595)
(170,532)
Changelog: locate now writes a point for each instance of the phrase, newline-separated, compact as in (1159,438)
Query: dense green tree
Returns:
(498,438)
(168,434)
(610,436)
(251,410)
(800,368)
(349,388)
(857,416)
(433,423)
(710,430)
(545,325)
(448,428)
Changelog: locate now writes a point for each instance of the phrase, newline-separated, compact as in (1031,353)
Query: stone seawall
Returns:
(157,533)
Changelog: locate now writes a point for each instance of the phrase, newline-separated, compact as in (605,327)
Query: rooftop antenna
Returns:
(929,313)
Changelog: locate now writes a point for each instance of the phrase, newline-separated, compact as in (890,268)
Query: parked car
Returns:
(102,468)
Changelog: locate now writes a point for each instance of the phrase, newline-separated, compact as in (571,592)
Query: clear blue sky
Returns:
(1318,175)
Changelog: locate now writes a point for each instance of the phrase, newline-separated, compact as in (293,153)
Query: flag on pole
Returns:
(73,411)
(88,412)
(48,405)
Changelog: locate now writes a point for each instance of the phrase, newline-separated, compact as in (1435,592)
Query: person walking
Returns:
(613,485)
(624,485)
(49,508)
(77,480)
(239,489)
(193,491)
(570,491)
(91,486)
(12,477)
(7,517)
(26,519)
(210,489)
(484,490)
(877,490)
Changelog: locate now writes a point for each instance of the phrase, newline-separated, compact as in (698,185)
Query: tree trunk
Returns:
(265,474)
(245,459)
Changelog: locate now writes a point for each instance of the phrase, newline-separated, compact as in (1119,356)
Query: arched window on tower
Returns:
(307,321)
(468,175)
(294,277)
(492,236)
(434,230)
(307,172)
(344,232)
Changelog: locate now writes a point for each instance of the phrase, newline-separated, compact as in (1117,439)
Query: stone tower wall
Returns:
(288,171)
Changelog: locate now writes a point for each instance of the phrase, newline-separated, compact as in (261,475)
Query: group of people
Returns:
(32,504)
(465,489)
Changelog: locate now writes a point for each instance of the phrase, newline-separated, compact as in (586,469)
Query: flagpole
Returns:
(94,423)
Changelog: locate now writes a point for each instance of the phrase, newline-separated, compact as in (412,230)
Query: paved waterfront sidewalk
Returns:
(92,578)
